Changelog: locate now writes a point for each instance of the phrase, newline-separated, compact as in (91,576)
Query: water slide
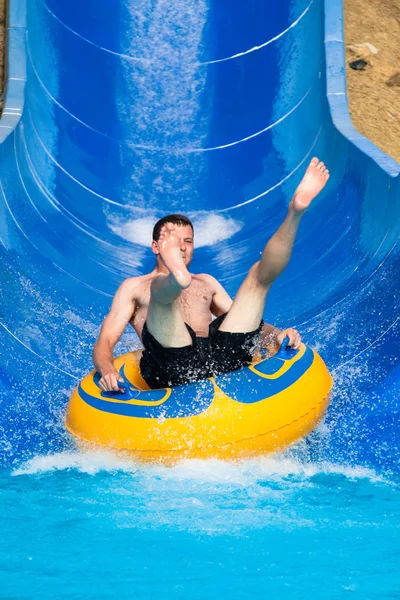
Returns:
(119,112)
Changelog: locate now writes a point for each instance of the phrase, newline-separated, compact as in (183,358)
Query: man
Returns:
(171,309)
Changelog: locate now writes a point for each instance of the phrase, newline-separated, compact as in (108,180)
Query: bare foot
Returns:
(170,252)
(310,186)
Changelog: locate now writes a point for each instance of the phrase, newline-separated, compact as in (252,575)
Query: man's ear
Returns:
(154,247)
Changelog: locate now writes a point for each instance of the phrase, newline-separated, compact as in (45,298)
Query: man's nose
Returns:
(183,246)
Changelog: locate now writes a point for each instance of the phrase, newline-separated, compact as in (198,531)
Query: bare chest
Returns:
(194,304)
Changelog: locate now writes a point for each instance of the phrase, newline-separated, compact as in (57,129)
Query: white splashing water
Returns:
(166,88)
(210,228)
(161,102)
(245,472)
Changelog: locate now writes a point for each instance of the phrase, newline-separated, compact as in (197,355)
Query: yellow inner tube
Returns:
(254,410)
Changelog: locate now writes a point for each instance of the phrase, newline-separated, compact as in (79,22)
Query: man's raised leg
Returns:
(164,319)
(247,309)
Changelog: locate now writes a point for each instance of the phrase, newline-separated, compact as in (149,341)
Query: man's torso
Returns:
(195,304)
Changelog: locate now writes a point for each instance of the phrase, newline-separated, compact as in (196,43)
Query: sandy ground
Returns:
(374,94)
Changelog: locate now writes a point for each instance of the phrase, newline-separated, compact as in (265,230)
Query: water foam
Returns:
(241,473)
(84,462)
(210,228)
(167,90)
(160,102)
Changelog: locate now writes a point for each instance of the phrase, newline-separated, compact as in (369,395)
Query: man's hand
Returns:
(109,381)
(293,335)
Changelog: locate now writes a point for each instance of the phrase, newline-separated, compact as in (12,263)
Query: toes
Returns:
(325,173)
(320,165)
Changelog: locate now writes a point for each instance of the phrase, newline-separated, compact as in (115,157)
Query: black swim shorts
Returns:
(220,352)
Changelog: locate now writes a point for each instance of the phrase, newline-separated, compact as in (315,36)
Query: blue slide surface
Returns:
(118,112)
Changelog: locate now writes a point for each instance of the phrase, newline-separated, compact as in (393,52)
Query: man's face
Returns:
(185,235)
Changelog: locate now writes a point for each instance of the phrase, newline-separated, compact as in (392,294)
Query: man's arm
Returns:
(113,326)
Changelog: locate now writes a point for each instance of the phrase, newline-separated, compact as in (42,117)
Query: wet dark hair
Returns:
(174,219)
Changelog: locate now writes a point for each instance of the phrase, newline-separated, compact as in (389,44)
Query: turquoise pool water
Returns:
(93,525)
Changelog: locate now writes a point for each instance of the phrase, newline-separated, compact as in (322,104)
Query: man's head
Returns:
(184,230)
